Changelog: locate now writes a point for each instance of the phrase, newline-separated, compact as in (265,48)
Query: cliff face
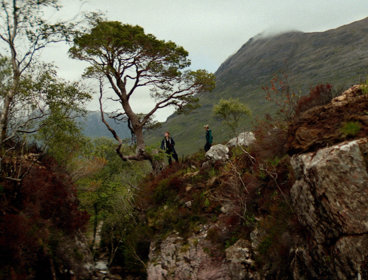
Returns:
(313,227)
(330,198)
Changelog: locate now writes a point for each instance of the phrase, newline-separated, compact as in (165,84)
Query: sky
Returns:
(211,30)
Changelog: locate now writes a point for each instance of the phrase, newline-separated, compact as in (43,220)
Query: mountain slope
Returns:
(92,126)
(338,56)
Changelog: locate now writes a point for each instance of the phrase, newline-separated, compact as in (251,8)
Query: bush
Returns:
(271,139)
(282,95)
(39,222)
(319,95)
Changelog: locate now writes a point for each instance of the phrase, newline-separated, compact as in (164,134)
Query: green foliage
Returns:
(350,129)
(25,32)
(115,51)
(250,220)
(231,111)
(49,107)
(160,64)
(265,245)
(61,137)
(107,189)
(5,75)
(365,87)
(230,242)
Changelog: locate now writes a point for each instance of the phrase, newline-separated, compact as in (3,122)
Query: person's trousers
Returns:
(207,147)
(174,155)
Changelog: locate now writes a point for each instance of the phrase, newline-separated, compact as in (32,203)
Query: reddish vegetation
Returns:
(35,214)
(319,95)
(280,93)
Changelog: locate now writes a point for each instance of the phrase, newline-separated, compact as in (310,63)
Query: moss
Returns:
(250,220)
(185,248)
(231,241)
(275,161)
(350,128)
(265,245)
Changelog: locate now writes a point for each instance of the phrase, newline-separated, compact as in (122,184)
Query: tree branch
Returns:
(137,157)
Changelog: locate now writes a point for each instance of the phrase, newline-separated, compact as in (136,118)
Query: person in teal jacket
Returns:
(209,138)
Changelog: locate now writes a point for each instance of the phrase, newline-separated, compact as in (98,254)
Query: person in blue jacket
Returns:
(168,145)
(209,138)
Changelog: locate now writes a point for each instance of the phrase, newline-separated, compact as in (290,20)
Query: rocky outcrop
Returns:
(218,153)
(330,197)
(176,258)
(321,232)
(323,126)
(243,139)
(240,261)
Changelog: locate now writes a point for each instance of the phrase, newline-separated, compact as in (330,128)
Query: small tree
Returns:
(231,111)
(282,95)
(24,32)
(130,59)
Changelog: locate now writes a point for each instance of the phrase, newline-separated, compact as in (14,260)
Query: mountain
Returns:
(93,127)
(338,56)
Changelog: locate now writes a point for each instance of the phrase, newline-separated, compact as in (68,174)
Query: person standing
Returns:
(168,145)
(209,138)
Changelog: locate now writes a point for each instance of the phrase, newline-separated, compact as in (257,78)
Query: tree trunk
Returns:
(156,163)
(5,116)
(138,131)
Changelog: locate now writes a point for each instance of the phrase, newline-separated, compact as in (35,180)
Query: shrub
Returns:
(365,87)
(319,95)
(282,95)
(231,111)
(350,129)
(39,222)
(271,139)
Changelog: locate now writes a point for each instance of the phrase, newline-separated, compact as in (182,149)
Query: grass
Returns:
(350,129)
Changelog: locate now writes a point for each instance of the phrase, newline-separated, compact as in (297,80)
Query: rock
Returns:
(256,237)
(188,204)
(241,262)
(227,208)
(191,174)
(321,126)
(347,95)
(330,198)
(243,139)
(175,258)
(206,164)
(218,152)
(188,188)
(101,265)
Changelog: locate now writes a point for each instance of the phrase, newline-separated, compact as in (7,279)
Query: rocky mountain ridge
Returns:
(338,56)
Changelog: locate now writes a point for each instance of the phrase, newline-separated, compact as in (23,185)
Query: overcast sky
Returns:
(211,30)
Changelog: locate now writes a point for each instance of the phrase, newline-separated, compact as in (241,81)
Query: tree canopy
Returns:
(24,31)
(130,59)
(231,111)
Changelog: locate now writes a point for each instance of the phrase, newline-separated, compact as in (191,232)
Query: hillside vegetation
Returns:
(255,216)
(338,57)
